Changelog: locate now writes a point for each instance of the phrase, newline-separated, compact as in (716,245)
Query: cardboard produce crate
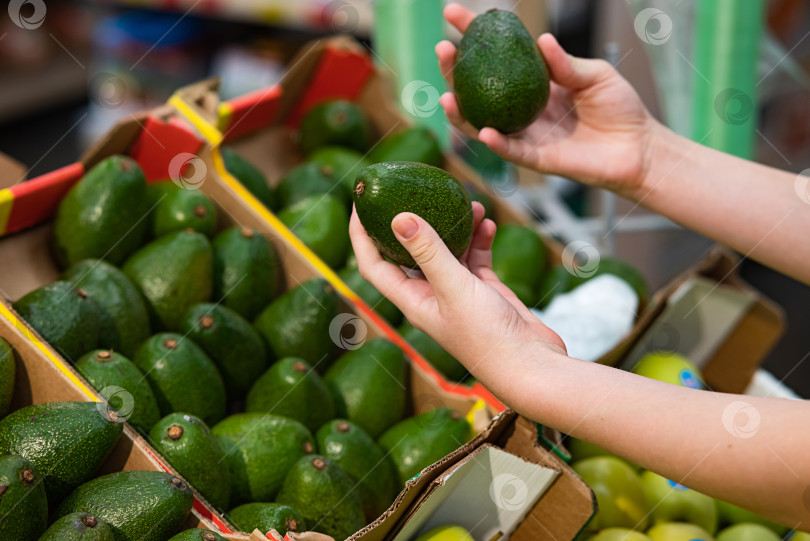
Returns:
(154,141)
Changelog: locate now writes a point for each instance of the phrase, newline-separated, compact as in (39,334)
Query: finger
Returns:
(478,212)
(446,53)
(371,264)
(510,148)
(443,271)
(479,258)
(571,71)
(458,16)
(450,105)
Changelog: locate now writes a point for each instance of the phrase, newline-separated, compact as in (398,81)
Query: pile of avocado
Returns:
(185,329)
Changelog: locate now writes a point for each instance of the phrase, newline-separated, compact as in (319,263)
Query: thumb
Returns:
(434,258)
(570,71)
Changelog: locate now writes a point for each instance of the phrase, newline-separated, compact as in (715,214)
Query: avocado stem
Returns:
(200,211)
(291,524)
(27,477)
(81,293)
(3,489)
(319,463)
(170,343)
(247,232)
(207,322)
(90,521)
(343,427)
(175,432)
(177,483)
(104,356)
(360,188)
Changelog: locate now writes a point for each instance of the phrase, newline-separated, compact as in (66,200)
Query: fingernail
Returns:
(405,227)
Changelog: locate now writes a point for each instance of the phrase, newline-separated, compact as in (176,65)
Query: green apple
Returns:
(619,534)
(747,531)
(670,368)
(678,531)
(731,514)
(673,502)
(446,533)
(800,536)
(618,492)
(580,450)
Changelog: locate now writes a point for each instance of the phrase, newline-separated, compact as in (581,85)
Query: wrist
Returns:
(661,153)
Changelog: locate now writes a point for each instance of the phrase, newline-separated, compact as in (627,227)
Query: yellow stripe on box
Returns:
(209,132)
(6,203)
(59,363)
(224,115)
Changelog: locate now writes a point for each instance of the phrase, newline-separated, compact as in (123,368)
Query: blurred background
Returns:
(69,70)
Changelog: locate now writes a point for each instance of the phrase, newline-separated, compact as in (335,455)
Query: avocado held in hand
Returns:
(384,190)
(500,79)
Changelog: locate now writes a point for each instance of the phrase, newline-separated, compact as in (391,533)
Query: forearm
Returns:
(674,431)
(752,208)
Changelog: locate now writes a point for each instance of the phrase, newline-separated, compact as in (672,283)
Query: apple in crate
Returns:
(678,531)
(618,490)
(670,368)
(673,502)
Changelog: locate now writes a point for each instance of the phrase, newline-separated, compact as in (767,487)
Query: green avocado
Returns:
(620,269)
(7,377)
(413,144)
(173,273)
(188,445)
(519,261)
(500,79)
(267,516)
(384,190)
(344,162)
(247,271)
(123,319)
(197,534)
(251,178)
(369,385)
(417,442)
(231,342)
(182,376)
(138,505)
(64,316)
(351,448)
(259,450)
(292,388)
(557,280)
(308,179)
(65,441)
(79,527)
(106,368)
(322,223)
(297,324)
(325,495)
(433,353)
(337,122)
(370,295)
(23,503)
(102,216)
(178,209)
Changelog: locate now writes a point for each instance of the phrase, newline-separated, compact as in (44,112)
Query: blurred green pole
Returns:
(405,34)
(727,42)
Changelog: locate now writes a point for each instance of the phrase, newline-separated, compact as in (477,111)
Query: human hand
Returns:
(459,302)
(594,129)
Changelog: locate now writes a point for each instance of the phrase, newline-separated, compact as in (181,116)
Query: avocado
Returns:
(433,353)
(173,273)
(23,503)
(351,448)
(178,209)
(557,280)
(384,190)
(336,122)
(322,223)
(64,316)
(105,368)
(310,179)
(500,78)
(369,385)
(482,197)
(102,216)
(414,144)
(292,388)
(79,527)
(231,342)
(182,377)
(197,534)
(138,505)
(247,271)
(267,516)
(251,178)
(344,162)
(417,442)
(259,450)
(297,323)
(65,441)
(123,319)
(188,445)
(325,495)
(7,377)
(519,261)
(370,295)
(620,269)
